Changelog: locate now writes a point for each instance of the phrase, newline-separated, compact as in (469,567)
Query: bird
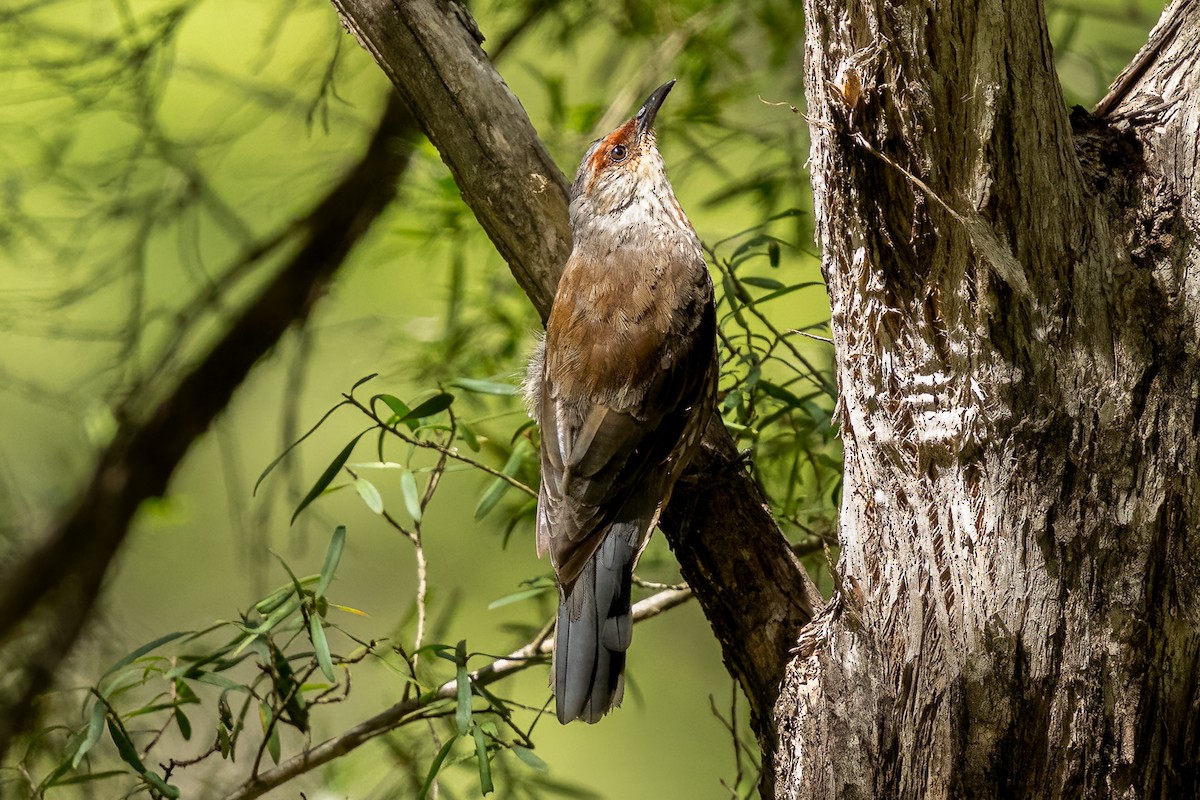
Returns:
(622,387)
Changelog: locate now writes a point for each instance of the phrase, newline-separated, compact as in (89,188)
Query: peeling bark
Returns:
(1015,303)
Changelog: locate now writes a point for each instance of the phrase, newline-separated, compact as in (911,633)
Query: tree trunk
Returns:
(1015,306)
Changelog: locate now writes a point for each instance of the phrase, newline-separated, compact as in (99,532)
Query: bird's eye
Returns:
(618,152)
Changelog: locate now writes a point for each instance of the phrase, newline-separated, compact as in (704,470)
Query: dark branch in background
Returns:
(754,592)
(55,585)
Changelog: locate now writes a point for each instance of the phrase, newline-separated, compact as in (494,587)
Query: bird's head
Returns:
(622,167)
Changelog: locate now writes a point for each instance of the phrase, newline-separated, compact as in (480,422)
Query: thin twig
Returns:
(409,710)
(435,478)
(656,586)
(449,452)
(824,339)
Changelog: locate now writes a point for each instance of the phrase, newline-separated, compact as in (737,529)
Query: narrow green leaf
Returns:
(749,244)
(292,446)
(287,688)
(435,404)
(296,587)
(524,426)
(496,705)
(54,778)
(408,488)
(496,490)
(784,395)
(485,767)
(400,415)
(752,242)
(220,681)
(333,555)
(397,406)
(762,283)
(436,766)
(95,730)
(184,694)
(499,487)
(349,610)
(278,597)
(467,434)
(485,387)
(185,724)
(462,714)
(141,651)
(369,494)
(320,645)
(155,781)
(758,301)
(273,745)
(87,777)
(361,381)
(530,758)
(735,299)
(273,619)
(517,597)
(125,748)
(440,650)
(773,253)
(327,476)
(224,713)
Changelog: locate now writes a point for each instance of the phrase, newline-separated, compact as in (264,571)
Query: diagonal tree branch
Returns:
(754,592)
(62,576)
(431,54)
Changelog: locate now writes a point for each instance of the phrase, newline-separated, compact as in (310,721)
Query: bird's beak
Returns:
(649,109)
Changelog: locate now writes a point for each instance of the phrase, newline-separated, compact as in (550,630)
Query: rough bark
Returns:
(1015,303)
(749,584)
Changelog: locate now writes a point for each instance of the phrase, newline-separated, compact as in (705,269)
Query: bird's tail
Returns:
(595,628)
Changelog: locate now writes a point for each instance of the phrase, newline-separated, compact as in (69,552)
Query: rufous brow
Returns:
(622,135)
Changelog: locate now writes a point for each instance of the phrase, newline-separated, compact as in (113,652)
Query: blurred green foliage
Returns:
(154,156)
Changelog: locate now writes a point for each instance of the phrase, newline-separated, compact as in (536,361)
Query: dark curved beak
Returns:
(649,110)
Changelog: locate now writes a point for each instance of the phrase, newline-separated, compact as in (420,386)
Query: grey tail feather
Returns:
(595,629)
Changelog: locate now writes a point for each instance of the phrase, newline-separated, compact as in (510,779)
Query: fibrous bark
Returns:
(1015,303)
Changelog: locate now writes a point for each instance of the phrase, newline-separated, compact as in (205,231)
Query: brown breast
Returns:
(608,331)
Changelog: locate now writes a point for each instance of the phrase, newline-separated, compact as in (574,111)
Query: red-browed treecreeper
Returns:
(622,388)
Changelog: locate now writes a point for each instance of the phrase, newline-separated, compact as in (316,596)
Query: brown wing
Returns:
(616,399)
